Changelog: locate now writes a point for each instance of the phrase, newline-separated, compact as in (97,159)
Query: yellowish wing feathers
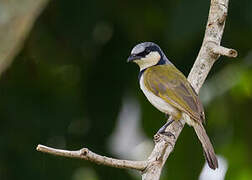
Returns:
(171,85)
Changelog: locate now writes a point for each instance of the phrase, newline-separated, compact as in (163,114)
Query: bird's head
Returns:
(147,54)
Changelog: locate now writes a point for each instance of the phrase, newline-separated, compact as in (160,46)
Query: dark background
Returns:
(67,86)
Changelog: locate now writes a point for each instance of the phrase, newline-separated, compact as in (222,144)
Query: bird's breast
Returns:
(158,102)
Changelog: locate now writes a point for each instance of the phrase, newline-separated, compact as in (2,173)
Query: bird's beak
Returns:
(133,57)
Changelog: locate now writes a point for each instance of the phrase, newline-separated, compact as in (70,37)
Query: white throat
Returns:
(150,60)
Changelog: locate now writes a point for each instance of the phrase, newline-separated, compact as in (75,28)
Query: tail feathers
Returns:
(207,146)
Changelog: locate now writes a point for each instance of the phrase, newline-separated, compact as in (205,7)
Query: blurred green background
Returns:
(70,87)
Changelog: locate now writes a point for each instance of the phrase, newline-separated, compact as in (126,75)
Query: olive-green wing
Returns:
(167,82)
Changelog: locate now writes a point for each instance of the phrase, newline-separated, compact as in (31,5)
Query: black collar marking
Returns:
(161,61)
(140,74)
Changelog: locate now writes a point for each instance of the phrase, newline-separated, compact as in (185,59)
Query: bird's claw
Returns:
(158,135)
(169,134)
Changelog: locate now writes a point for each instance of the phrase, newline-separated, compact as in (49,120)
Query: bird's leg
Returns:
(163,128)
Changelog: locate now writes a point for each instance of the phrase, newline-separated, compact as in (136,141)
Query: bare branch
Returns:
(212,39)
(220,50)
(163,147)
(86,154)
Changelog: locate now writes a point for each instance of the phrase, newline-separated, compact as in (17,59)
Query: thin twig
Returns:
(219,50)
(86,154)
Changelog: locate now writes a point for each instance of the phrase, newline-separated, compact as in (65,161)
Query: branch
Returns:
(210,51)
(219,50)
(86,154)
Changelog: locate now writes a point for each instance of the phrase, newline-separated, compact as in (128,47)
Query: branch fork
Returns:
(210,51)
(217,50)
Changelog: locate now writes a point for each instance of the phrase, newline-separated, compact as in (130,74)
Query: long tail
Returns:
(207,146)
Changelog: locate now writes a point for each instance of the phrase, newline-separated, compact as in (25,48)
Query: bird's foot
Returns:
(157,136)
(163,131)
(169,134)
(163,128)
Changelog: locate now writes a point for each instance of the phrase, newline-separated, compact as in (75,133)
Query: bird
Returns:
(168,90)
